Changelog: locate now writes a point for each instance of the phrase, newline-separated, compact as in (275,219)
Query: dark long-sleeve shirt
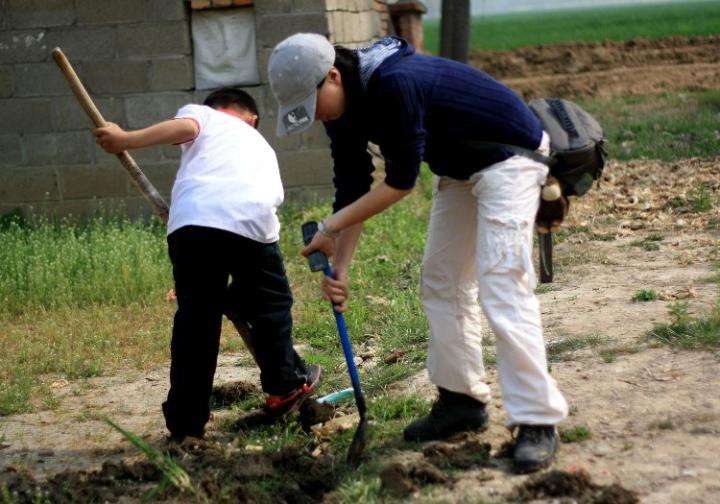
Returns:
(424,108)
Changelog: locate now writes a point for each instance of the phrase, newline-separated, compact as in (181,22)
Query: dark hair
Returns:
(348,64)
(227,96)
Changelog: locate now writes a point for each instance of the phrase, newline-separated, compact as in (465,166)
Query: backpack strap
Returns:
(520,151)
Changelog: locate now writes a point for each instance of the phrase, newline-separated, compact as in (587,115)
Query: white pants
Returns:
(480,245)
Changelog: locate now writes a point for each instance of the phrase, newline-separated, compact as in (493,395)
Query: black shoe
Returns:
(535,447)
(280,406)
(452,413)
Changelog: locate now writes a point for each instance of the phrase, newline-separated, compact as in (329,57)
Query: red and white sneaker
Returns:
(284,405)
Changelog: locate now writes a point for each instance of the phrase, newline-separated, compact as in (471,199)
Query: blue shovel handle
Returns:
(345,340)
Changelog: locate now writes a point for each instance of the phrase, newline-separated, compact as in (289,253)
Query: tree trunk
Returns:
(455,30)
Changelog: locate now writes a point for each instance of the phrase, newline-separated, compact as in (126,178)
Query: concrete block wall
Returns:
(136,59)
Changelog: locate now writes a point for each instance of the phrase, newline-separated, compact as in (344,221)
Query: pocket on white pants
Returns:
(508,195)
(503,246)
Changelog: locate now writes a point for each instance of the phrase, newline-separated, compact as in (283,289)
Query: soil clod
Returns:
(576,485)
(403,479)
(463,456)
(313,413)
(230,393)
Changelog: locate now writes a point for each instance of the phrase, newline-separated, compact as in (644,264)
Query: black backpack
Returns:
(577,153)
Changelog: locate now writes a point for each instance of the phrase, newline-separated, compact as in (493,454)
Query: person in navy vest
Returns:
(420,108)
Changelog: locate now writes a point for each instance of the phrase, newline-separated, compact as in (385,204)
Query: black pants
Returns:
(204,260)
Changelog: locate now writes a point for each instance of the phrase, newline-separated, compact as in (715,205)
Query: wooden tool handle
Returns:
(141,181)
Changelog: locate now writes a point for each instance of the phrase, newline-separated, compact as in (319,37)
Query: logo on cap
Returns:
(296,119)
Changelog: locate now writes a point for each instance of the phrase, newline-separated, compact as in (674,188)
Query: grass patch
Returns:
(611,354)
(546,287)
(603,237)
(687,331)
(650,243)
(665,424)
(666,126)
(575,434)
(110,262)
(560,351)
(509,31)
(645,295)
(700,199)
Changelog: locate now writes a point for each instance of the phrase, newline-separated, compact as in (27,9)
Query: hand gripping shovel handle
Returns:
(319,262)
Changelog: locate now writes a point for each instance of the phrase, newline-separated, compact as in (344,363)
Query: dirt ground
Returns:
(606,69)
(652,412)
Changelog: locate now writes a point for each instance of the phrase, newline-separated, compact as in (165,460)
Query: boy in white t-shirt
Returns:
(223,225)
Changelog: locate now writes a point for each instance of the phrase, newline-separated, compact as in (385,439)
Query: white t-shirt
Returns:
(228,178)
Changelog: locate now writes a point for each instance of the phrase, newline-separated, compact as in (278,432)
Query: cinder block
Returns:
(306,167)
(271,104)
(162,175)
(25,115)
(263,55)
(68,115)
(172,74)
(165,10)
(273,28)
(171,38)
(82,210)
(149,108)
(200,4)
(309,5)
(335,27)
(368,27)
(133,207)
(348,26)
(171,152)
(116,76)
(28,184)
(91,43)
(39,13)
(273,6)
(141,156)
(11,149)
(94,12)
(40,79)
(23,46)
(309,194)
(59,148)
(284,144)
(7,81)
(315,137)
(364,5)
(98,181)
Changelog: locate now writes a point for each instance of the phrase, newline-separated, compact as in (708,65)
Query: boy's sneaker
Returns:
(450,414)
(279,406)
(535,447)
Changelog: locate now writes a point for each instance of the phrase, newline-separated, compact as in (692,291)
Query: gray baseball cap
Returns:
(296,66)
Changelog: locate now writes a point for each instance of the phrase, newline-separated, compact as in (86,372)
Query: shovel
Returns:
(319,262)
